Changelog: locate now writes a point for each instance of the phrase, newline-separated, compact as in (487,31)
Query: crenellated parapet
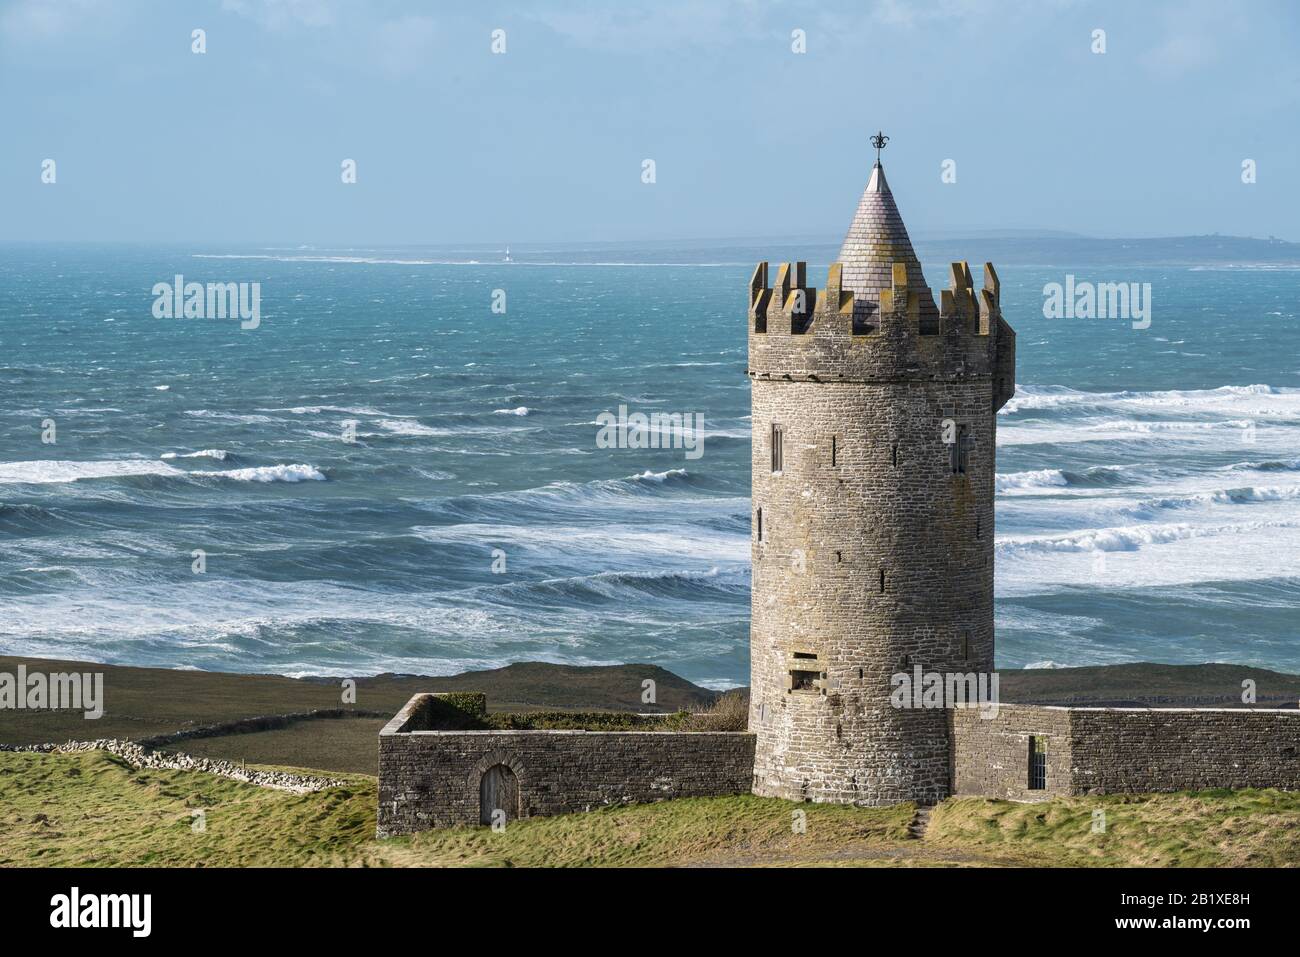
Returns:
(797,331)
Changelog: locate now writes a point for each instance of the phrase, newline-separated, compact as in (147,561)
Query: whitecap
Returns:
(269,473)
(219,454)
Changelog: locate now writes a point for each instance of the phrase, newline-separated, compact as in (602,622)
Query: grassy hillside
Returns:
(91,808)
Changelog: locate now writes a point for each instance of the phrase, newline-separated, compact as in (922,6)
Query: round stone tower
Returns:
(872,543)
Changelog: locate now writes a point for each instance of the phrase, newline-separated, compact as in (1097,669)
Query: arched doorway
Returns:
(498,790)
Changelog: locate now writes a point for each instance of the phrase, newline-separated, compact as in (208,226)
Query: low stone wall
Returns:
(1184,749)
(433,778)
(139,756)
(1125,750)
(990,756)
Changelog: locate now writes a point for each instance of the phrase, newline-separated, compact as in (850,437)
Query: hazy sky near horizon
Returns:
(546,142)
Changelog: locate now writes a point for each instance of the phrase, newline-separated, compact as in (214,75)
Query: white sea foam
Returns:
(230,416)
(522,410)
(615,544)
(53,471)
(1036,479)
(411,427)
(1126,538)
(1257,399)
(318,409)
(1228,496)
(219,454)
(270,473)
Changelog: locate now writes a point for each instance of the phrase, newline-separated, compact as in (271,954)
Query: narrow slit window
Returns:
(965,644)
(959,451)
(778,450)
(835,450)
(1037,763)
(758,522)
(882,580)
(977,526)
(895,454)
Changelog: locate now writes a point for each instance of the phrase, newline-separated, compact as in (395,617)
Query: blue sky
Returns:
(546,142)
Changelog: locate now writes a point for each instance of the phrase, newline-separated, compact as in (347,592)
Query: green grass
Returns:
(90,808)
(1248,828)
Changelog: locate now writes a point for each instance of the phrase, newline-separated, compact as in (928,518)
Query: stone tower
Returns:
(873,443)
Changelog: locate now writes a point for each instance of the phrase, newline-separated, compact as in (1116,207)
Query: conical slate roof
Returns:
(877,238)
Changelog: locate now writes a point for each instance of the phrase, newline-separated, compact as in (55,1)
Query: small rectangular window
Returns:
(803,680)
(1037,763)
(804,672)
(895,454)
(778,451)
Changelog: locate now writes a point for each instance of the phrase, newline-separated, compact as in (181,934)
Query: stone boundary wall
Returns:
(253,725)
(990,756)
(431,779)
(139,756)
(1184,749)
(1125,750)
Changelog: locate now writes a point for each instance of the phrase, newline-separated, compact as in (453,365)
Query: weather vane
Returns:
(879,141)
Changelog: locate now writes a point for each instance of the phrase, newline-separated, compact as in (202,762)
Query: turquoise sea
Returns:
(1149,480)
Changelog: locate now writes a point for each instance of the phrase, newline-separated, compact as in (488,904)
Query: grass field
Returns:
(92,809)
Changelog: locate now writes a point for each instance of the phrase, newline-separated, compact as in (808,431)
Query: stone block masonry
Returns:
(872,476)
(430,778)
(990,756)
(1124,750)
(1184,749)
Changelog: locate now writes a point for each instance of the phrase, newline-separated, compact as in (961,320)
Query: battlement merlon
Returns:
(791,298)
(800,332)
(790,305)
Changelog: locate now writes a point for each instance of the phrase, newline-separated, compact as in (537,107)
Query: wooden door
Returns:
(498,791)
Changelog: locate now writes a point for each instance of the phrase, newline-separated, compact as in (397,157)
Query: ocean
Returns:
(390,474)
